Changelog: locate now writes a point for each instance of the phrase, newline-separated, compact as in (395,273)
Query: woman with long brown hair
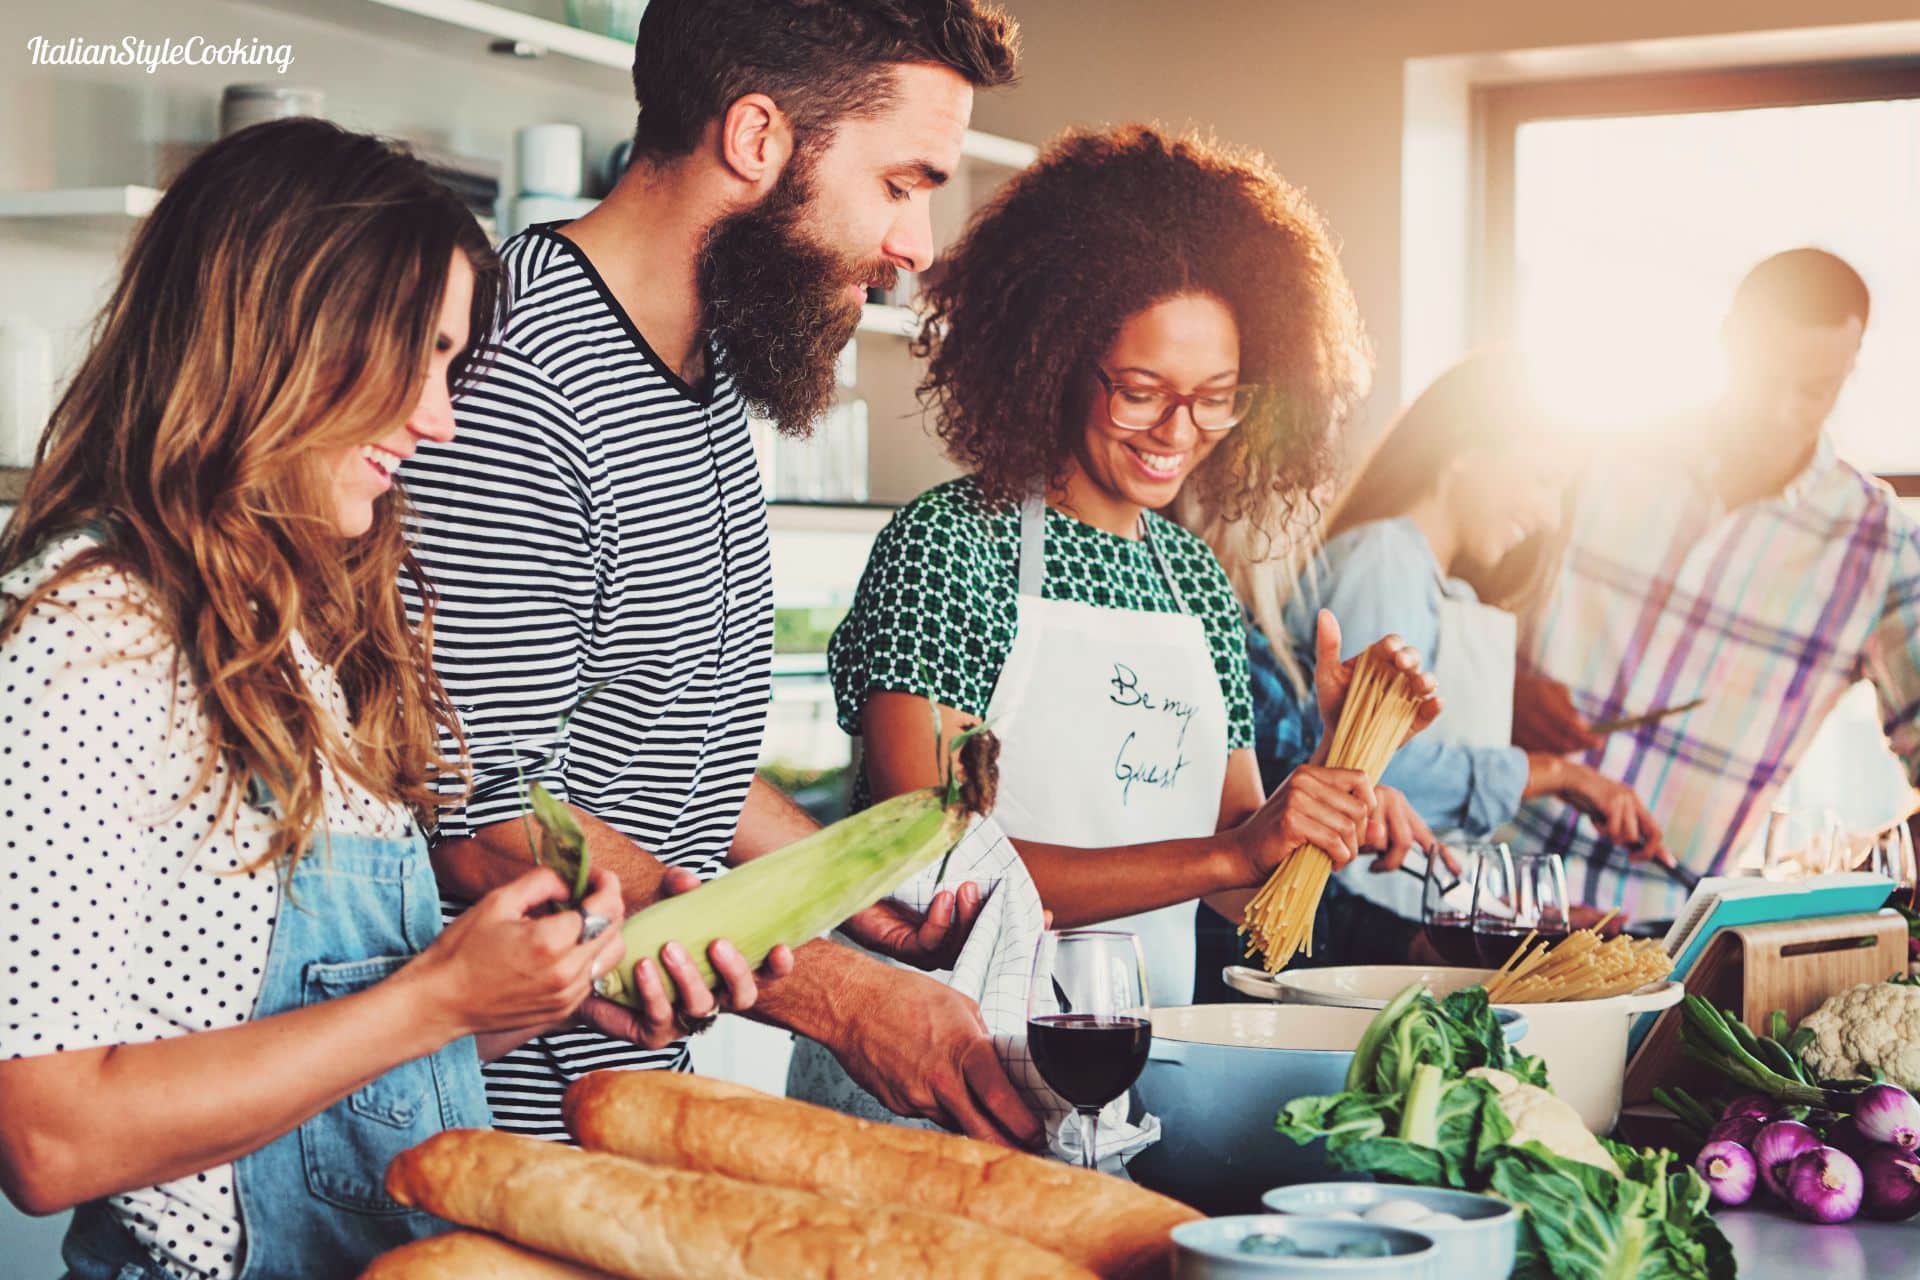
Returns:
(1443,536)
(230,999)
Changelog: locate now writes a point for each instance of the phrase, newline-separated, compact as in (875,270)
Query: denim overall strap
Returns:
(98,1247)
(312,1202)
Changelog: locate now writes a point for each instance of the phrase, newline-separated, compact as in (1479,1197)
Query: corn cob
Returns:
(800,892)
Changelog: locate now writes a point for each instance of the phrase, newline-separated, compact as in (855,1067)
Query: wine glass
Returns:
(1891,855)
(1803,842)
(1446,900)
(1518,894)
(1088,1026)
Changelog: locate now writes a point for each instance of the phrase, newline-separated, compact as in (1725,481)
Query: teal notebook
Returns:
(1728,902)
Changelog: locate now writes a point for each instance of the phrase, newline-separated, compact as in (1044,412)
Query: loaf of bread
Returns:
(468,1255)
(1105,1224)
(644,1222)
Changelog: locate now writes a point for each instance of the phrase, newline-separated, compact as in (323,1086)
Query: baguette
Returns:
(1105,1224)
(641,1222)
(468,1255)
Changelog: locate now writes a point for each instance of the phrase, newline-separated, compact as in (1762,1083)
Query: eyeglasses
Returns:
(1138,407)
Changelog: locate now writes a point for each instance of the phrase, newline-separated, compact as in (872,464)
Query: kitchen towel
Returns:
(992,969)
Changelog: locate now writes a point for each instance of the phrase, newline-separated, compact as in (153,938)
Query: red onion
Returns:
(1776,1146)
(1844,1135)
(1824,1185)
(1758,1106)
(1887,1113)
(1892,1184)
(1740,1129)
(1730,1171)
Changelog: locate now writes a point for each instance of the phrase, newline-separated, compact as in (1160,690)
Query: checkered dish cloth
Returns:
(993,969)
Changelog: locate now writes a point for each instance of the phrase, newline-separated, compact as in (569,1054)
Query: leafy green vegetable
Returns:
(556,835)
(1411,1114)
(558,840)
(1764,1065)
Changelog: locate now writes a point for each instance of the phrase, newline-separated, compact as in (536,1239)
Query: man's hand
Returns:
(1544,718)
(930,941)
(922,1049)
(654,1024)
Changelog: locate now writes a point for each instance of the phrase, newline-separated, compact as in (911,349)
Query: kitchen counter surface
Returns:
(1772,1247)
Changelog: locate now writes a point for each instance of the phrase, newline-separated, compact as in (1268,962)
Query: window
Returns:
(1621,214)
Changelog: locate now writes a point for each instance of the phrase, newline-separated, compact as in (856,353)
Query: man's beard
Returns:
(774,301)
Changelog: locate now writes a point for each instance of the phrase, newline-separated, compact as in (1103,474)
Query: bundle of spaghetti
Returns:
(1581,967)
(1379,709)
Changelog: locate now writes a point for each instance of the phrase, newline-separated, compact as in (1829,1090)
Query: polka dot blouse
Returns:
(121,918)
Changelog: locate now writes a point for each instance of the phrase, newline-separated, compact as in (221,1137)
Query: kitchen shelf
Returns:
(894,322)
(13,483)
(100,205)
(466,28)
(580,58)
(827,517)
(991,148)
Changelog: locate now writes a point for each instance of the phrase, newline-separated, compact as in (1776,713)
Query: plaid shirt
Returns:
(1770,612)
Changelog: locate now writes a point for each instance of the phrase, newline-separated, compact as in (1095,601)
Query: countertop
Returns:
(1770,1246)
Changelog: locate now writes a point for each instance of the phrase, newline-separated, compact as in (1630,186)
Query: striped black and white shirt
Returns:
(597,520)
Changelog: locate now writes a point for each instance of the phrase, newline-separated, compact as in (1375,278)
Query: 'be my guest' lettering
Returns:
(1129,692)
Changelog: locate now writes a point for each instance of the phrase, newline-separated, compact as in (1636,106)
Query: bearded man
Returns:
(599,525)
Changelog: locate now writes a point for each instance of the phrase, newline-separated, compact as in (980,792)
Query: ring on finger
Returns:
(694,1025)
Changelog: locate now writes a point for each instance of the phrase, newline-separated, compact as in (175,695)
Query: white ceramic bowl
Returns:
(1584,1042)
(1353,986)
(1483,1242)
(1209,1250)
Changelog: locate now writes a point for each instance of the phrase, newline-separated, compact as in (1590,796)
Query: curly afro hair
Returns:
(1104,225)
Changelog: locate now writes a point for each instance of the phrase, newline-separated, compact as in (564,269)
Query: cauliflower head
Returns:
(1540,1116)
(1876,1024)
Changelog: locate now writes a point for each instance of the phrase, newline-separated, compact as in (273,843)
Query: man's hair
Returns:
(1805,286)
(822,61)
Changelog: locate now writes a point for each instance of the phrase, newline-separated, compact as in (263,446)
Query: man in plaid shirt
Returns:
(1755,570)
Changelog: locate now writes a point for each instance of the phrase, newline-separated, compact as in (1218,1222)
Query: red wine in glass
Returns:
(1495,945)
(1088,1024)
(1088,1058)
(1452,937)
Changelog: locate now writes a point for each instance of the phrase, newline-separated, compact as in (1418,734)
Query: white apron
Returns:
(1113,731)
(1472,665)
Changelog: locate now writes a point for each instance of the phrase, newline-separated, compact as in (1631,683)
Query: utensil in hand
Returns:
(1605,727)
(1518,894)
(1088,1022)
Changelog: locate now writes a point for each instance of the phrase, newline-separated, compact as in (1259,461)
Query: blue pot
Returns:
(1217,1076)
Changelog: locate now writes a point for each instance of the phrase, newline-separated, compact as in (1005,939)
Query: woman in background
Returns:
(1450,528)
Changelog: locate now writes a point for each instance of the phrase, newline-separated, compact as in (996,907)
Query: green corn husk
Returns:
(800,892)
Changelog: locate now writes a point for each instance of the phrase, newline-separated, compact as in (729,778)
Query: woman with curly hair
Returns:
(231,1001)
(1135,315)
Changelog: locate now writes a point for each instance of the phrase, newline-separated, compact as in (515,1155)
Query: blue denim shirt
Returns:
(1380,579)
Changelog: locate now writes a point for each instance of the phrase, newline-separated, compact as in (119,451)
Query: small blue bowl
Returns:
(1210,1250)
(1481,1244)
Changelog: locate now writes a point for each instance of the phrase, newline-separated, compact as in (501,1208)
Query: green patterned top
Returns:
(936,608)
